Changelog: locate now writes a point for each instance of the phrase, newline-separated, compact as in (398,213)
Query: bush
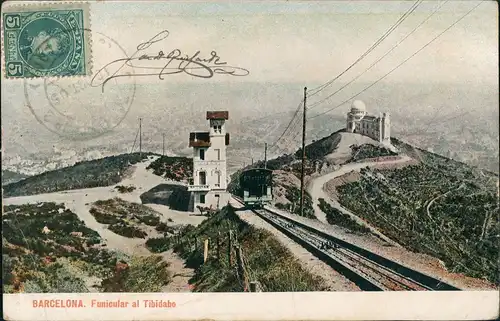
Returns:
(104,218)
(174,168)
(336,217)
(268,260)
(144,274)
(163,227)
(369,151)
(125,189)
(158,245)
(56,278)
(124,229)
(151,220)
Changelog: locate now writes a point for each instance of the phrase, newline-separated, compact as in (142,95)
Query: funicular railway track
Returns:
(368,270)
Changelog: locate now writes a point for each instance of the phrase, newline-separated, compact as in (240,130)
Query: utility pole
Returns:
(265,155)
(303,155)
(140,137)
(163,145)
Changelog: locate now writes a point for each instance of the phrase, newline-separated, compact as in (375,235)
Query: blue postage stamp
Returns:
(50,40)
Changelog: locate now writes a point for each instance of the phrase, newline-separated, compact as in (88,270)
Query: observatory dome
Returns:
(358,106)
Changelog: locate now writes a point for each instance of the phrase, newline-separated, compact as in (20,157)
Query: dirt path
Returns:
(438,197)
(180,273)
(79,201)
(315,189)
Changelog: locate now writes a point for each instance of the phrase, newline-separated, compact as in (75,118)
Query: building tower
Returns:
(358,111)
(386,128)
(209,182)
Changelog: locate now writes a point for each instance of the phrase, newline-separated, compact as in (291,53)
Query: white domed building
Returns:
(358,121)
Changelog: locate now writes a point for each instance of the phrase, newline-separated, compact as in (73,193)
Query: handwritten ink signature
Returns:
(174,62)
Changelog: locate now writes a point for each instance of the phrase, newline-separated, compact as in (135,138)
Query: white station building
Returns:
(208,186)
(377,128)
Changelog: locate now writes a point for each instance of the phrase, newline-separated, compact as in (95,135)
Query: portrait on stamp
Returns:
(46,42)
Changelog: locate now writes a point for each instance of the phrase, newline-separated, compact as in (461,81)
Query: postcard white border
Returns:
(457,305)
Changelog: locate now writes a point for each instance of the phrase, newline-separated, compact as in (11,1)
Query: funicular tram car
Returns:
(256,184)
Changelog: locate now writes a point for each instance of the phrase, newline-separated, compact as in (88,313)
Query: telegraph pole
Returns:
(303,155)
(265,155)
(163,145)
(140,137)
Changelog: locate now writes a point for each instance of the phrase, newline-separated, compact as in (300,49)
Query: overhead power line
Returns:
(320,88)
(135,140)
(382,57)
(404,61)
(288,139)
(288,126)
(382,38)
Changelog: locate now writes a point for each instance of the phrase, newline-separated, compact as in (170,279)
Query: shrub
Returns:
(151,220)
(174,168)
(125,189)
(336,217)
(124,229)
(158,245)
(144,274)
(163,227)
(104,218)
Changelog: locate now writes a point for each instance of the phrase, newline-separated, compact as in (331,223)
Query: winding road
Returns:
(315,189)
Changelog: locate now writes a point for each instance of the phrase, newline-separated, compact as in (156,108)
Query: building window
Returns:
(202,154)
(202,198)
(218,179)
(217,152)
(203,178)
(217,129)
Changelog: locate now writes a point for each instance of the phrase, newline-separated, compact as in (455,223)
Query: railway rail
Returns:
(370,271)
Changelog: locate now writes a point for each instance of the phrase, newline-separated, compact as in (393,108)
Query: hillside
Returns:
(438,206)
(430,204)
(46,248)
(98,173)
(322,155)
(11,177)
(276,269)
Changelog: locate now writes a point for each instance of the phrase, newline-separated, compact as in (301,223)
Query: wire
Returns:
(382,57)
(135,140)
(382,38)
(289,124)
(320,88)
(295,126)
(404,61)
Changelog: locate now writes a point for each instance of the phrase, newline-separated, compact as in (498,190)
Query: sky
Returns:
(312,41)
(280,43)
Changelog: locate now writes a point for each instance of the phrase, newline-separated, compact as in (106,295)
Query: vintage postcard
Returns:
(250,160)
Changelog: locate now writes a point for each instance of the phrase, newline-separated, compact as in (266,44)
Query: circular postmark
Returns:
(72,107)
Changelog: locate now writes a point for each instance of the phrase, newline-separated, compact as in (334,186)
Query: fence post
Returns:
(255,286)
(205,251)
(241,267)
(229,256)
(218,246)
